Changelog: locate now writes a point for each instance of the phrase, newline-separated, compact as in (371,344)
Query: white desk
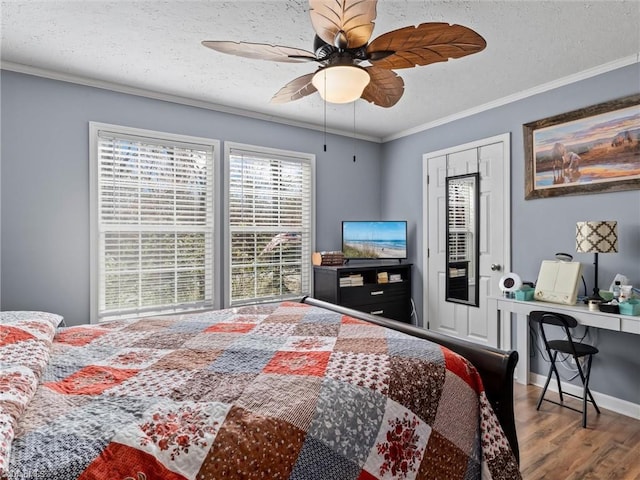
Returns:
(503,308)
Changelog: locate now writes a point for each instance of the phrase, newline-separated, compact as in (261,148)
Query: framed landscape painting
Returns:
(594,149)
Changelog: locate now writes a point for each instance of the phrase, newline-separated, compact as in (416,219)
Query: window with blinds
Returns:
(270,217)
(152,196)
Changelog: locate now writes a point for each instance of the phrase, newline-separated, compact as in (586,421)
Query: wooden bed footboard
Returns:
(496,367)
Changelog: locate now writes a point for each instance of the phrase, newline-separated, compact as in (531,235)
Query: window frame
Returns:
(271,152)
(94,234)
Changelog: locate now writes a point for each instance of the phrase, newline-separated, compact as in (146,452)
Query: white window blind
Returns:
(460,218)
(155,223)
(270,214)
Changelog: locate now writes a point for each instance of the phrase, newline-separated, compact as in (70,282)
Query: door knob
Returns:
(495,267)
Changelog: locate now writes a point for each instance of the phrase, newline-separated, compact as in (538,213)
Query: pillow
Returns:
(6,317)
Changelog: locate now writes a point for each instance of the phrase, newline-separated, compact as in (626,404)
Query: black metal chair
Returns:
(569,347)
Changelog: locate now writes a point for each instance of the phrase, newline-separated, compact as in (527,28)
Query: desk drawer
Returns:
(600,320)
(630,325)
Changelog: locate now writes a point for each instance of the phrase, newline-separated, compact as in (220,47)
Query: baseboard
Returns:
(614,404)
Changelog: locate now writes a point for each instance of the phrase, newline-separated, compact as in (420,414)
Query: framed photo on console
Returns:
(591,150)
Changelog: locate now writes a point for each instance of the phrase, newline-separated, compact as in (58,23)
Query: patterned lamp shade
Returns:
(597,237)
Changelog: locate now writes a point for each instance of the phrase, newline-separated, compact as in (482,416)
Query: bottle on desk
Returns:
(616,291)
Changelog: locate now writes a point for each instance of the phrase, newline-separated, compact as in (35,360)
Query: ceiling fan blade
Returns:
(295,89)
(261,51)
(353,17)
(422,45)
(385,87)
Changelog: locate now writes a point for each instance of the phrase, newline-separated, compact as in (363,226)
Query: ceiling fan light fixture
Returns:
(342,41)
(341,83)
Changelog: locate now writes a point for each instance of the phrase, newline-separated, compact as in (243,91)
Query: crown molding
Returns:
(141,92)
(545,87)
(120,88)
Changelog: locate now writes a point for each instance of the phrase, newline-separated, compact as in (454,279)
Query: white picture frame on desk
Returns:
(558,282)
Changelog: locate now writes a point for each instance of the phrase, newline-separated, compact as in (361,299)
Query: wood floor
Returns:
(554,446)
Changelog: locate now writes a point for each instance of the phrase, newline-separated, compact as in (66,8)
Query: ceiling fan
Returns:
(341,44)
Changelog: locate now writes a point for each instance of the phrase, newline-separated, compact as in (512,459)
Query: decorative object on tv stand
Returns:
(597,237)
(327,258)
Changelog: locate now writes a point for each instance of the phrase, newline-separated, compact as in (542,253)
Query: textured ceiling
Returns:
(155,46)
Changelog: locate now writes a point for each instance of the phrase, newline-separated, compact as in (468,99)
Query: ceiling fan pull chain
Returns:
(355,140)
(325,113)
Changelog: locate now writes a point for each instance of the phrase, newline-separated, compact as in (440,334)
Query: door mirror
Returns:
(463,239)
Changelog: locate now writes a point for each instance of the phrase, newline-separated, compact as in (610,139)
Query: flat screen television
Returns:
(374,239)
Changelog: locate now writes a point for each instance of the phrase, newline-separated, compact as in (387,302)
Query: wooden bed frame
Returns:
(496,367)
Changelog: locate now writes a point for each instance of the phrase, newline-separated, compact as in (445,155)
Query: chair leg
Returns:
(552,370)
(544,390)
(585,387)
(593,401)
(586,384)
(555,371)
(586,392)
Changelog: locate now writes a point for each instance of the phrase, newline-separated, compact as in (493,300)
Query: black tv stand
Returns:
(361,287)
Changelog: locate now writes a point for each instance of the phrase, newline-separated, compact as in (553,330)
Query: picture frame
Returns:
(591,150)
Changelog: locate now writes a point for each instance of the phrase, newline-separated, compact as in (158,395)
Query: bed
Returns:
(290,390)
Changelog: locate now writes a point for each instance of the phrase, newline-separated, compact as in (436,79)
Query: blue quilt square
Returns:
(317,460)
(415,348)
(321,317)
(189,327)
(66,456)
(347,419)
(258,342)
(242,361)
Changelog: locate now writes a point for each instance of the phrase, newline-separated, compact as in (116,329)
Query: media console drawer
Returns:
(358,287)
(374,292)
(394,310)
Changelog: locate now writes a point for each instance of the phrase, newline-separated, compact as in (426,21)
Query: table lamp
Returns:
(597,237)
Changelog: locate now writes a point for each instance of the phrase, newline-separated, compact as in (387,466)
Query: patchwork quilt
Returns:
(278,391)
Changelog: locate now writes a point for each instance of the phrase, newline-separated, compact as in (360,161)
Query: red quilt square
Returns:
(122,461)
(231,328)
(79,336)
(9,335)
(463,369)
(364,475)
(350,320)
(298,363)
(91,380)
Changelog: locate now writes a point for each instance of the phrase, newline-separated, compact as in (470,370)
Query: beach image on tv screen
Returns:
(374,239)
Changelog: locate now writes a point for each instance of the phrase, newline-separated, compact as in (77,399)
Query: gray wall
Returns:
(45,180)
(45,193)
(540,227)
